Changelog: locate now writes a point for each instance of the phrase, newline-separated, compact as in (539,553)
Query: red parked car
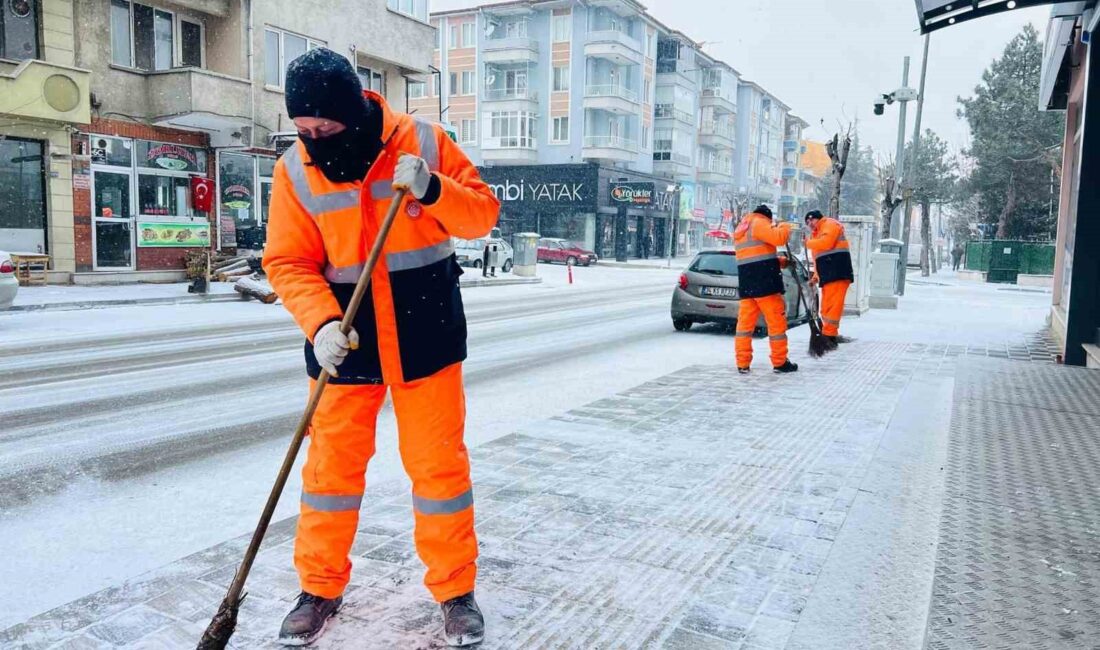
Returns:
(564,251)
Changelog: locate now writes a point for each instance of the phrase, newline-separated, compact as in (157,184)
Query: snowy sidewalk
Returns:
(701,510)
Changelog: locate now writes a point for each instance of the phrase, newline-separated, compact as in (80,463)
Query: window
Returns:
(143,37)
(561,130)
(453,86)
(513,129)
(372,79)
(563,28)
(435,85)
(415,8)
(22,185)
(454,43)
(645,137)
(280,48)
(649,43)
(417,89)
(167,196)
(645,91)
(468,39)
(468,84)
(561,78)
(467,132)
(515,29)
(190,44)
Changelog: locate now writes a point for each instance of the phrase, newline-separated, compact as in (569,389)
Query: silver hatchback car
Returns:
(707,292)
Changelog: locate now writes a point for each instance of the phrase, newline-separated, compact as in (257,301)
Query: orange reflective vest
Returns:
(832,257)
(756,240)
(320,234)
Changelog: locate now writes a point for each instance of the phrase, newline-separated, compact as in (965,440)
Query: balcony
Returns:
(613,98)
(615,46)
(675,165)
(790,172)
(510,149)
(713,98)
(791,145)
(669,111)
(511,99)
(676,73)
(716,172)
(198,99)
(609,147)
(717,135)
(40,90)
(510,50)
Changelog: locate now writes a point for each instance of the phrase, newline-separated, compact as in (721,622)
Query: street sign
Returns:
(640,194)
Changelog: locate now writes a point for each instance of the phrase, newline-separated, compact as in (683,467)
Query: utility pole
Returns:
(899,158)
(916,154)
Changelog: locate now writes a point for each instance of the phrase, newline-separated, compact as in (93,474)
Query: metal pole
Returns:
(899,157)
(916,153)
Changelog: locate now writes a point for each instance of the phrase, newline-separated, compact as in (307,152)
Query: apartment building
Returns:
(762,118)
(157,130)
(43,97)
(793,196)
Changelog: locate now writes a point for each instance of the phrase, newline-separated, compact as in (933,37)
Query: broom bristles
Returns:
(221,627)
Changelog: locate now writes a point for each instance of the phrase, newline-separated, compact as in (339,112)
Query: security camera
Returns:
(880,106)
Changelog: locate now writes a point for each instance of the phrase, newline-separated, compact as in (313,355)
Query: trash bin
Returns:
(525,254)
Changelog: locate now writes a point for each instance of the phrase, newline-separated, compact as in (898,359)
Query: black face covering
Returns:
(348,155)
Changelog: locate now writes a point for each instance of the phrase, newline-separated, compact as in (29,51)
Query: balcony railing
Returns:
(611,90)
(615,36)
(669,156)
(670,111)
(717,167)
(610,142)
(509,142)
(719,129)
(503,94)
(511,43)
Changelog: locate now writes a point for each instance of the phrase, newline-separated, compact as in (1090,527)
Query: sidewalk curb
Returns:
(499,283)
(643,267)
(96,304)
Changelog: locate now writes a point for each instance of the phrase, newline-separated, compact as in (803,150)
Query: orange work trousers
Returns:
(832,306)
(431,416)
(775,315)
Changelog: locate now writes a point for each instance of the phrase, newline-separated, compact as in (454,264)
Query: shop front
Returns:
(635,215)
(244,194)
(142,203)
(552,200)
(23,195)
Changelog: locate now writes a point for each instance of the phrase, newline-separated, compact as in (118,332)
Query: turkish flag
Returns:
(202,194)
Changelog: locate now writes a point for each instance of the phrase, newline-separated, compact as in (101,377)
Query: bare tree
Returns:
(838,152)
(737,202)
(890,201)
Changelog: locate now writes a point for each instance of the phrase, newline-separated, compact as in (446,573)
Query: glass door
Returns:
(112,224)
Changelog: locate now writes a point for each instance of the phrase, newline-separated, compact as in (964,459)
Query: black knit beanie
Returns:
(764,210)
(321,83)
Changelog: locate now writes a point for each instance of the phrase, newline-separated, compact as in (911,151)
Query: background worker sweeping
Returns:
(760,285)
(331,190)
(832,269)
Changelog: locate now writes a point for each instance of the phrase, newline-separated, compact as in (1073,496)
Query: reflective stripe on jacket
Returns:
(756,240)
(320,234)
(832,257)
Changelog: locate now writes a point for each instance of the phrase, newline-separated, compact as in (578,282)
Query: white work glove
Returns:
(330,346)
(412,174)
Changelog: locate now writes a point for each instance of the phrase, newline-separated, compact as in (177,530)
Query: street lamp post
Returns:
(670,231)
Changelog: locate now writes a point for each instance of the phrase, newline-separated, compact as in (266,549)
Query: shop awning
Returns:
(937,14)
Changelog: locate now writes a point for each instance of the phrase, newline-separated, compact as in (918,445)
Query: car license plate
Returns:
(719,292)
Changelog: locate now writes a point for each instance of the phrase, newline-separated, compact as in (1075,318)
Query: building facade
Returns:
(793,196)
(180,90)
(761,122)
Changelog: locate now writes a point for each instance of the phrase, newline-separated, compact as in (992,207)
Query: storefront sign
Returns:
(173,235)
(687,200)
(228,235)
(543,186)
(82,182)
(171,157)
(237,197)
(637,194)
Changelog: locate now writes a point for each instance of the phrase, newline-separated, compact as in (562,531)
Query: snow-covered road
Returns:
(134,436)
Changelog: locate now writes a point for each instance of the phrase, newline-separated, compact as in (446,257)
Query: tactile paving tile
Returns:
(1018,561)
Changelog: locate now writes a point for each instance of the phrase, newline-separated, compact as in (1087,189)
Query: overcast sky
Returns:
(828,59)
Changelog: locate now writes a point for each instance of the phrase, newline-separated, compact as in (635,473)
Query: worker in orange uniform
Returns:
(331,191)
(832,269)
(760,285)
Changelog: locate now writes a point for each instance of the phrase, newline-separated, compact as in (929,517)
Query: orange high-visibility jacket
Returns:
(320,233)
(832,257)
(755,240)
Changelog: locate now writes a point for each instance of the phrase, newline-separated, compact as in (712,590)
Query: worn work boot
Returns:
(743,371)
(307,620)
(840,338)
(787,366)
(463,624)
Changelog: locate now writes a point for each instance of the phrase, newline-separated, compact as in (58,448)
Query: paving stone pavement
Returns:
(700,510)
